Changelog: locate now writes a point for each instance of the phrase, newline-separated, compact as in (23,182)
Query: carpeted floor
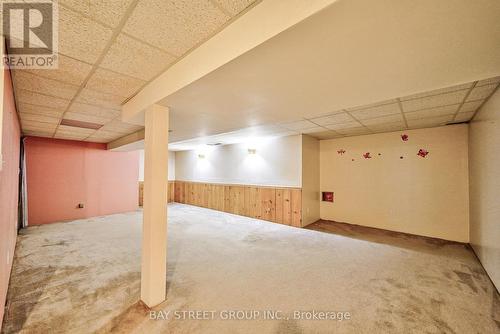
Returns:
(84,277)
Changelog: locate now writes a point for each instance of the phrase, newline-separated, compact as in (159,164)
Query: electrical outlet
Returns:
(80,206)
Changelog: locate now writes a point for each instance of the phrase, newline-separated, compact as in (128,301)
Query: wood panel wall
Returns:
(170,194)
(279,205)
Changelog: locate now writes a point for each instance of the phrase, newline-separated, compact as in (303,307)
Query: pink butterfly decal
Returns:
(367,155)
(404,137)
(341,151)
(422,153)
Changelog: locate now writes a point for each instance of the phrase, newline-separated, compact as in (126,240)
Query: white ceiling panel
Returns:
(481,92)
(430,122)
(173,26)
(340,118)
(348,125)
(471,106)
(433,112)
(438,91)
(134,58)
(377,111)
(383,120)
(434,101)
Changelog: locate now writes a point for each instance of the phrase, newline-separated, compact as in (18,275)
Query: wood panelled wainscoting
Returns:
(278,205)
(170,194)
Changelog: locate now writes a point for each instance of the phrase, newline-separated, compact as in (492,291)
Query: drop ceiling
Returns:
(439,107)
(300,81)
(108,51)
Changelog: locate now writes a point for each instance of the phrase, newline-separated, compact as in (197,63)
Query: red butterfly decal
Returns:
(367,155)
(404,137)
(422,153)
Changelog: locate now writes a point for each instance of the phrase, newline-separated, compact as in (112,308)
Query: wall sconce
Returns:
(252,151)
(201,156)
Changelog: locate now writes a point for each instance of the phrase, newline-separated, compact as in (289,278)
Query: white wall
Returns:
(277,162)
(484,161)
(310,180)
(424,196)
(171,165)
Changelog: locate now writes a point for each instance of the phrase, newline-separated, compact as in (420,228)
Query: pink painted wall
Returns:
(63,173)
(9,181)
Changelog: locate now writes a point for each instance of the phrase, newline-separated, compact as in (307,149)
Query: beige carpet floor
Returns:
(84,277)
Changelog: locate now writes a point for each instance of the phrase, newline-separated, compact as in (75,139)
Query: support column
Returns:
(154,226)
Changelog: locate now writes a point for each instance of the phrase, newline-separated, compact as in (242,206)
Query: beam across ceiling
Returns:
(262,22)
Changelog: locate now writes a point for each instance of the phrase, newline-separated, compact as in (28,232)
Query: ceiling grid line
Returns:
(484,101)
(402,112)
(464,100)
(95,66)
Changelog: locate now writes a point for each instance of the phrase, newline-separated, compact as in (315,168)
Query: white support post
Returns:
(154,228)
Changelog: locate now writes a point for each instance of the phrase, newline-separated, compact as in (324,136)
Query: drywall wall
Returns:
(276,162)
(310,180)
(424,196)
(484,176)
(63,173)
(9,185)
(171,165)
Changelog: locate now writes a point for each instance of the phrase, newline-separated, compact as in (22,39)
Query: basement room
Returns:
(250,166)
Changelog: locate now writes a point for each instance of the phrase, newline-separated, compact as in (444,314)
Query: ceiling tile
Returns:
(33,133)
(128,56)
(433,112)
(348,125)
(340,118)
(69,70)
(80,37)
(87,118)
(113,83)
(377,111)
(33,83)
(108,12)
(39,118)
(69,136)
(38,126)
(387,127)
(120,127)
(438,91)
(234,7)
(24,96)
(482,92)
(26,108)
(87,109)
(101,99)
(325,135)
(471,106)
(354,131)
(376,104)
(298,125)
(429,122)
(175,26)
(74,129)
(384,120)
(464,116)
(313,130)
(489,81)
(434,101)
